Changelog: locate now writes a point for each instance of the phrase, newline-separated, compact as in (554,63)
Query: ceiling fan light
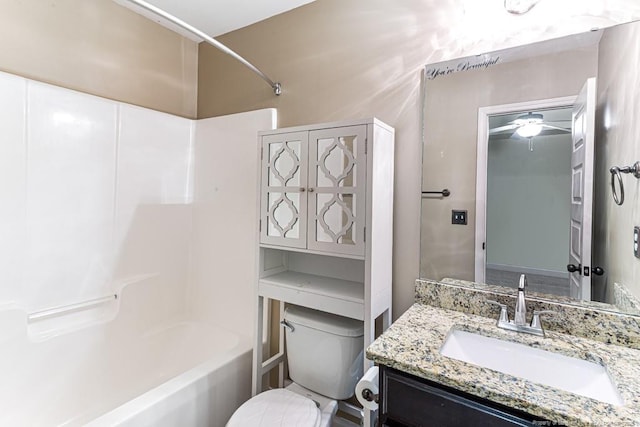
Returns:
(529,130)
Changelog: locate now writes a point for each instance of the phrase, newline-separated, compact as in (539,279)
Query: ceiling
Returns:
(216,17)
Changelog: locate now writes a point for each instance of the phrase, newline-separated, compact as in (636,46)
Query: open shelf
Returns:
(341,297)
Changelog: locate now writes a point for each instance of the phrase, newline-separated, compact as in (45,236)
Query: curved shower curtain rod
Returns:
(277,87)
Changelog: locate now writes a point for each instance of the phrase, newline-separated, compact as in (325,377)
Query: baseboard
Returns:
(527,270)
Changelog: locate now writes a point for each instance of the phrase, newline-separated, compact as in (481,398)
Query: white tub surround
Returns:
(112,279)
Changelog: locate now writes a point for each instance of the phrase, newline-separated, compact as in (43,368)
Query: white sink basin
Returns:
(544,367)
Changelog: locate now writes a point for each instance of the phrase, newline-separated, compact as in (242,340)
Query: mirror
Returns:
(525,201)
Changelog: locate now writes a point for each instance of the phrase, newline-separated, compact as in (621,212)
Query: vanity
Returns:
(424,382)
(498,202)
(412,400)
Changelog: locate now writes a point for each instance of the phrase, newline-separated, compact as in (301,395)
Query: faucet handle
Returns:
(535,320)
(504,317)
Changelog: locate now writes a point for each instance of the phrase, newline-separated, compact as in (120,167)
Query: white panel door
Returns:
(336,190)
(283,205)
(583,119)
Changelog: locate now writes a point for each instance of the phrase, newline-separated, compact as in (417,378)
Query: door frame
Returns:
(482,147)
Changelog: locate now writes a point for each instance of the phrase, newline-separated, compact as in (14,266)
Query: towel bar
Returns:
(616,172)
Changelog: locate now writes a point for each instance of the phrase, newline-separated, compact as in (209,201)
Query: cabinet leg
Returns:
(281,350)
(256,373)
(370,418)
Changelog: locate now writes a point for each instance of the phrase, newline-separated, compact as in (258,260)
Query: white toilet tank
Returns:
(324,351)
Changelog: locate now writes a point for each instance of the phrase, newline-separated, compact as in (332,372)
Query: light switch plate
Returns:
(459,217)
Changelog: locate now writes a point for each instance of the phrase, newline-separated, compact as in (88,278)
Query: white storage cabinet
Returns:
(326,226)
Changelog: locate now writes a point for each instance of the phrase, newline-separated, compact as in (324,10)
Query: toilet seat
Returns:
(278,407)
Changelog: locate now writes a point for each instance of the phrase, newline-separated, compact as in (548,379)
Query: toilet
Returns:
(324,354)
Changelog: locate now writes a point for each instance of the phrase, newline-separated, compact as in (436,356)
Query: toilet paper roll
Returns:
(369,381)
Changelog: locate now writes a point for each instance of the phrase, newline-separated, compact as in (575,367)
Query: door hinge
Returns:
(365,234)
(484,245)
(261,153)
(366,143)
(260,226)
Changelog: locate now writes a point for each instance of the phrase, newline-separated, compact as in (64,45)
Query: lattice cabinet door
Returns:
(283,207)
(336,190)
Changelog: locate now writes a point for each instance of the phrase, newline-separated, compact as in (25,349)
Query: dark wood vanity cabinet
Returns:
(406,400)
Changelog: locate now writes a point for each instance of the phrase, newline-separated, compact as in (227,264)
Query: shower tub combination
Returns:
(126,298)
(130,371)
(149,354)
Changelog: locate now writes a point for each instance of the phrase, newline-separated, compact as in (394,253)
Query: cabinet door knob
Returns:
(310,190)
(302,189)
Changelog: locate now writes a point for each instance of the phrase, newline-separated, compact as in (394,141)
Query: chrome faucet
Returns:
(519,322)
(520,318)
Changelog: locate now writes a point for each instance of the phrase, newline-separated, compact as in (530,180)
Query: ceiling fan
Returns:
(529,125)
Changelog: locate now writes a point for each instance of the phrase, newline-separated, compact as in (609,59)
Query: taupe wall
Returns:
(101,48)
(451,129)
(343,59)
(336,60)
(618,143)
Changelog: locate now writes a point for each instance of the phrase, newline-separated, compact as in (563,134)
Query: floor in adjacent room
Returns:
(535,282)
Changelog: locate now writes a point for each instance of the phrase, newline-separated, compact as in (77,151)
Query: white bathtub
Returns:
(202,393)
(129,371)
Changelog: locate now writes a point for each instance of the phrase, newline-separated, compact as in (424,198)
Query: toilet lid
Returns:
(279,407)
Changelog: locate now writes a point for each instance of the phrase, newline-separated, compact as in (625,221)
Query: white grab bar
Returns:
(69,308)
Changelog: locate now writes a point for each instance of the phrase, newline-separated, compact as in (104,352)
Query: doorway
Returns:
(522,222)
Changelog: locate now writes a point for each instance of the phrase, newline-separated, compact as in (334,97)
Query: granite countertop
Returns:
(412,345)
(591,320)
